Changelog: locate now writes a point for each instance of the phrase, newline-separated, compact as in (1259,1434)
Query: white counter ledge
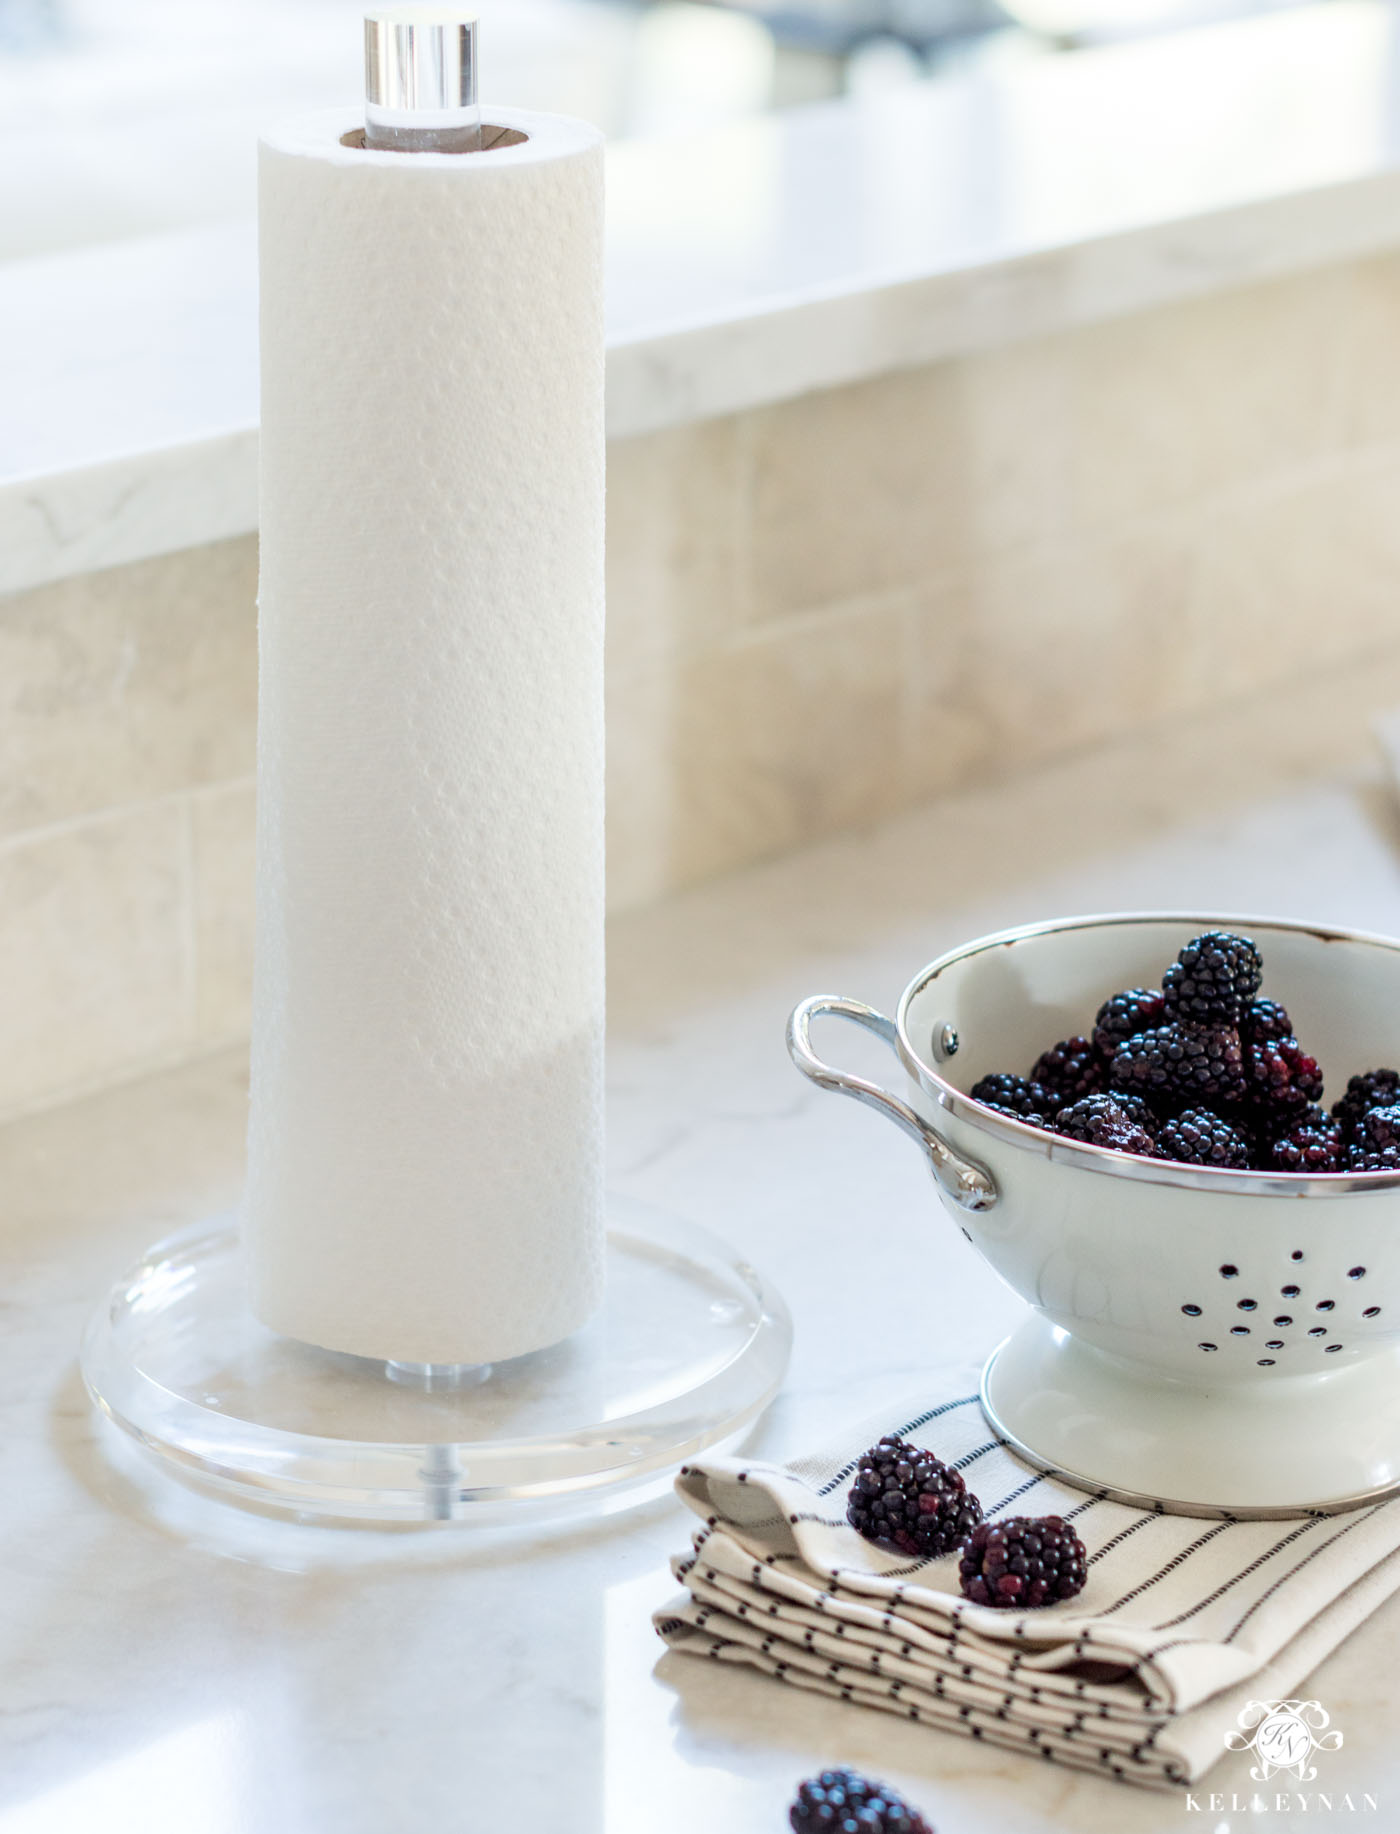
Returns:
(169,1666)
(771,257)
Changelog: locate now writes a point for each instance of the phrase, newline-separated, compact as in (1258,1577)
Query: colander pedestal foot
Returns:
(1298,1444)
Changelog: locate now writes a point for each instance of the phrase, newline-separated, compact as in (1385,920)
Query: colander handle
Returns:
(969,1186)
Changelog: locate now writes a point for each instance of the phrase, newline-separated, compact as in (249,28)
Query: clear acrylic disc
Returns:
(690,1346)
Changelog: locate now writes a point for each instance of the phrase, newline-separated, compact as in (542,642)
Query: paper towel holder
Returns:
(691,1346)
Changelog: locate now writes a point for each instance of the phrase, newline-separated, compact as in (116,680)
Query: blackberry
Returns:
(1136,1109)
(1265,1019)
(1179,1064)
(1120,1122)
(1375,1141)
(910,1498)
(1047,1121)
(1022,1097)
(1379,1130)
(1280,1073)
(1359,1159)
(1211,980)
(1071,1070)
(1311,1143)
(844,1802)
(1140,1009)
(1023,1561)
(1373,1089)
(1198,1137)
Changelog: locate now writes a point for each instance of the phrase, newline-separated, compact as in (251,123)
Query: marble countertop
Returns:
(174,1667)
(751,263)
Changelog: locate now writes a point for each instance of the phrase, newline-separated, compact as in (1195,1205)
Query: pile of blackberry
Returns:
(907,1498)
(1204,1071)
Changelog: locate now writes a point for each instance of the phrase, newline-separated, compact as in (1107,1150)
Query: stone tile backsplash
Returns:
(122,686)
(818,613)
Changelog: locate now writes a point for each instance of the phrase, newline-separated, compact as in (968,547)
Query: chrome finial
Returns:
(421,80)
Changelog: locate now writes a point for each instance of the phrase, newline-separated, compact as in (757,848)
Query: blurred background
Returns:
(95,94)
(991,384)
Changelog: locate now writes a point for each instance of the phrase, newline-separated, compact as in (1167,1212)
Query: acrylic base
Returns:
(689,1348)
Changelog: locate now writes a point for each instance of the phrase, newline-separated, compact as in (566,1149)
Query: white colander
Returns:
(1212,1342)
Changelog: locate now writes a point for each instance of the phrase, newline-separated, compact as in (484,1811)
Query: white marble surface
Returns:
(758,261)
(166,1665)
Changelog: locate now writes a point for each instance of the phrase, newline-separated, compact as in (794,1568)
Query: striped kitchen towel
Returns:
(1183,1622)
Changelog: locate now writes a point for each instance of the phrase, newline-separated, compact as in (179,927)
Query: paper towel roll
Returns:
(425,1138)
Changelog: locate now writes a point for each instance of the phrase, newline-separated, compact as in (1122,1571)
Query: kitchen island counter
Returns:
(172,1665)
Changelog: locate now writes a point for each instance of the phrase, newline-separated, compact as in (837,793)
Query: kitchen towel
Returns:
(1183,1622)
(425,1142)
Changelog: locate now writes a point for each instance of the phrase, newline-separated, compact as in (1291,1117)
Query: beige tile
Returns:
(223,828)
(949,735)
(93,952)
(858,490)
(119,686)
(1176,405)
(784,736)
(1301,577)
(1080,642)
(1370,327)
(673,540)
(1016,420)
(640,791)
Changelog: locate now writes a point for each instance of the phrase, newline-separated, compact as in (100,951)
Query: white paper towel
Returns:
(425,1137)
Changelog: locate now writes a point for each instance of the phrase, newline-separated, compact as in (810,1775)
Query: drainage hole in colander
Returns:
(1266,1362)
(1297,1255)
(1326,1305)
(1207,1346)
(1229,1271)
(1290,1292)
(1192,1311)
(1283,1319)
(1318,1331)
(1356,1273)
(1372,1311)
(1239,1330)
(1331,1349)
(1274,1343)
(1248,1305)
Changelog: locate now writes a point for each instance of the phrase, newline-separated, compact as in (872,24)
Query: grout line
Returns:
(70,824)
(189,939)
(1175,729)
(745,491)
(822,617)
(1136,782)
(1192,517)
(138,1070)
(913,698)
(1368,459)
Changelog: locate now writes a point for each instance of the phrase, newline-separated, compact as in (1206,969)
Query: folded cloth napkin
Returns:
(1183,1622)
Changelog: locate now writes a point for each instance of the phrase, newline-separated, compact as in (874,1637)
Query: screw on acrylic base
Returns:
(689,1348)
